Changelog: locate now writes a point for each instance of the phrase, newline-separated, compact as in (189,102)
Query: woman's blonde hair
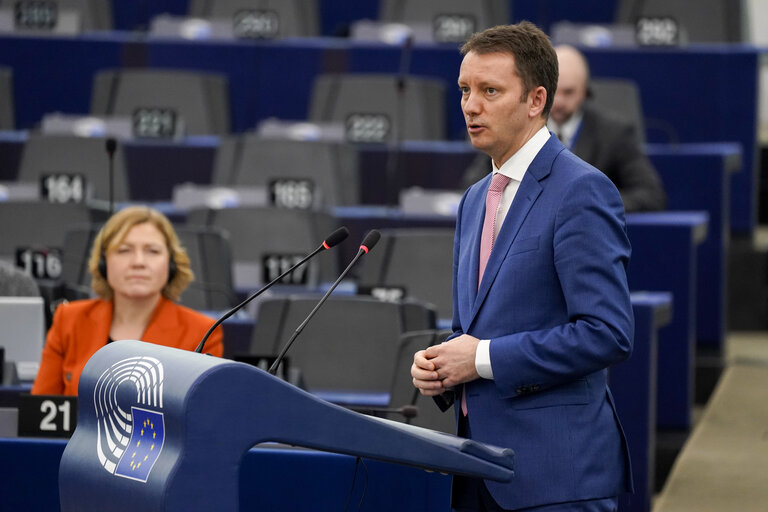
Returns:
(114,232)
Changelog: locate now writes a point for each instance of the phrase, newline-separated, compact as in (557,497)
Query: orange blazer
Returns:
(81,327)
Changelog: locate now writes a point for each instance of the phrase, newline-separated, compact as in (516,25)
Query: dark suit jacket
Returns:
(611,145)
(555,304)
(81,327)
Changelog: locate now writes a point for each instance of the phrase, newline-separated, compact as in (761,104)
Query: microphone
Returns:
(369,242)
(111,146)
(407,411)
(333,239)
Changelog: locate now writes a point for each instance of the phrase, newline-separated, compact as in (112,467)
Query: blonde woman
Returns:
(139,269)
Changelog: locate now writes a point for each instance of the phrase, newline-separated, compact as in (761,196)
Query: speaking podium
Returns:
(165,429)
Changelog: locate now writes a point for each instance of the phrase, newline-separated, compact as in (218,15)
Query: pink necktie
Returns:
(498,183)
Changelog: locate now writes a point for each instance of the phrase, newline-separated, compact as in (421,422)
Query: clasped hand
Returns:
(442,366)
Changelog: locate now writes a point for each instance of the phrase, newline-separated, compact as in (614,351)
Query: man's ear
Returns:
(538,99)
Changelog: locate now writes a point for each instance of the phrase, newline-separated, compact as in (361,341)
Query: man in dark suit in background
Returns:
(541,306)
(596,136)
(600,138)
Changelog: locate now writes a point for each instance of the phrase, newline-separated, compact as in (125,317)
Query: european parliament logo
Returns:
(144,446)
(131,429)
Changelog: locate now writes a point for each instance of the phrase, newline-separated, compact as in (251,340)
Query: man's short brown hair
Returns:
(535,58)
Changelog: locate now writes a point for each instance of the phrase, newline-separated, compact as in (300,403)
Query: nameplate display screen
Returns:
(47,415)
(657,31)
(453,28)
(256,24)
(39,262)
(275,264)
(63,187)
(155,123)
(296,193)
(363,127)
(35,14)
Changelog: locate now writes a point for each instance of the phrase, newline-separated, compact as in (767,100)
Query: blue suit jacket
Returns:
(555,304)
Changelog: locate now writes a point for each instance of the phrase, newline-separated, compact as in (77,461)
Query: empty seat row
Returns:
(168,104)
(236,248)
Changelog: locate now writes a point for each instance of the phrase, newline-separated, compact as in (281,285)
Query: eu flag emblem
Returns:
(145,445)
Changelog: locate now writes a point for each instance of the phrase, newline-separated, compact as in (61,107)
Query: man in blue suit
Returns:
(541,306)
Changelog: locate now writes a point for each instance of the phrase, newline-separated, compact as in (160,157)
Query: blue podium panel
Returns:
(707,73)
(633,384)
(166,429)
(698,177)
(30,474)
(270,479)
(287,480)
(664,249)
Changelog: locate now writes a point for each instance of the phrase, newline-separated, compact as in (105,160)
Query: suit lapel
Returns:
(527,194)
(477,204)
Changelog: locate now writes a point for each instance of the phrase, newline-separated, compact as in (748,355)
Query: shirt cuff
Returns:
(483,359)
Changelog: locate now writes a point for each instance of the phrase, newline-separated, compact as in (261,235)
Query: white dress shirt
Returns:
(566,132)
(513,168)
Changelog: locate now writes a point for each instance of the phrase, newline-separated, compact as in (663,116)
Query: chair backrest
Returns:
(705,21)
(266,241)
(380,108)
(418,260)
(621,97)
(451,20)
(91,14)
(14,282)
(7,118)
(36,225)
(266,19)
(350,344)
(209,254)
(327,169)
(402,391)
(58,155)
(164,103)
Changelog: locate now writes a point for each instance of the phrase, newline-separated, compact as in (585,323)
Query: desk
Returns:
(699,177)
(270,479)
(633,384)
(664,249)
(707,73)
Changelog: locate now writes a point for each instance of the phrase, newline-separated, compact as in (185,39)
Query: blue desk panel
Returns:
(664,248)
(699,177)
(633,384)
(687,96)
(270,479)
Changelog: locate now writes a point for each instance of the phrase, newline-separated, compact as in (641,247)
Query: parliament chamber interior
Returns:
(258,127)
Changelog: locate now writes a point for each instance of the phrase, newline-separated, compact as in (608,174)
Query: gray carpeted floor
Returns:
(724,464)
